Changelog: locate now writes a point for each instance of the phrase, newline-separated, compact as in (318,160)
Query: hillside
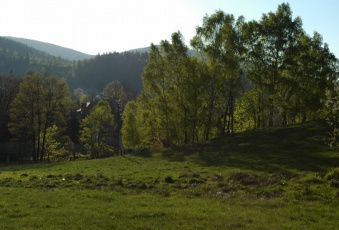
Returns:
(276,178)
(140,50)
(94,74)
(54,50)
(288,150)
(147,50)
(19,58)
(90,74)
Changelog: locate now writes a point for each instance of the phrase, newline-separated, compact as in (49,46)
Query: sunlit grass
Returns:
(92,209)
(282,178)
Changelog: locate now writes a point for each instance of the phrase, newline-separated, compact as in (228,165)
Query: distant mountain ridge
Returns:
(19,58)
(140,50)
(54,50)
(147,50)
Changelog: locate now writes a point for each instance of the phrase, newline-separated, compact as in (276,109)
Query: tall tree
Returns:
(259,71)
(115,91)
(220,38)
(79,94)
(156,86)
(9,87)
(310,68)
(130,132)
(97,130)
(41,103)
(168,81)
(268,43)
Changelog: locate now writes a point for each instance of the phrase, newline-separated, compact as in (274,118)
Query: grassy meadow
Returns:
(279,178)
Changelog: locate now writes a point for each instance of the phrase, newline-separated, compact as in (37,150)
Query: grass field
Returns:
(281,178)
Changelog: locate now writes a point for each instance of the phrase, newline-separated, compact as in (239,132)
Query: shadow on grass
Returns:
(272,150)
(20,167)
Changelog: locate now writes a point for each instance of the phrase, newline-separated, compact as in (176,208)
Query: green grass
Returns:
(93,209)
(281,178)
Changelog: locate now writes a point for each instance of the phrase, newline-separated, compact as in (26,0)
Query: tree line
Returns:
(94,74)
(245,75)
(91,75)
(41,117)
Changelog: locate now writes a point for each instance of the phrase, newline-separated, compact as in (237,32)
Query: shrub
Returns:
(333,177)
(169,179)
(333,174)
(50,176)
(312,179)
(119,182)
(78,176)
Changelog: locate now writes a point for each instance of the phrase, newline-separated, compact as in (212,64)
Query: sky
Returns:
(102,26)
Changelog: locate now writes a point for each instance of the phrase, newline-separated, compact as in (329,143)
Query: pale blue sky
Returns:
(101,26)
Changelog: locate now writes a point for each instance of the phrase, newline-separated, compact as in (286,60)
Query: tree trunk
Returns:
(225,122)
(259,112)
(210,109)
(271,113)
(304,117)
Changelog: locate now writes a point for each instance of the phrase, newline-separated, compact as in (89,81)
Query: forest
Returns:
(243,76)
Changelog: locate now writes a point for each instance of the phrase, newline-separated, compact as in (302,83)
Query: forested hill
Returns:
(94,74)
(141,50)
(54,50)
(148,49)
(19,58)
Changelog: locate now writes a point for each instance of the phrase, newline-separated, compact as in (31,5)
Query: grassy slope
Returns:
(267,179)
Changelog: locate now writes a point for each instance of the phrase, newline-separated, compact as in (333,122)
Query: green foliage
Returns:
(9,87)
(57,148)
(165,81)
(51,143)
(79,95)
(288,70)
(94,74)
(219,41)
(246,75)
(20,58)
(332,109)
(130,131)
(41,103)
(333,174)
(246,111)
(97,129)
(168,111)
(114,91)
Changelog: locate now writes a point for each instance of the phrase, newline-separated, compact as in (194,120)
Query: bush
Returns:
(80,156)
(169,179)
(333,174)
(312,178)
